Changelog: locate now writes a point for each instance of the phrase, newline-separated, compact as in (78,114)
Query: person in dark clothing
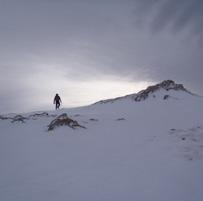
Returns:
(57,101)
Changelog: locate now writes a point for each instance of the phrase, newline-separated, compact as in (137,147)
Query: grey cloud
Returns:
(179,14)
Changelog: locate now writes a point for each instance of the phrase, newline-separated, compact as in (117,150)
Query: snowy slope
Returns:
(146,150)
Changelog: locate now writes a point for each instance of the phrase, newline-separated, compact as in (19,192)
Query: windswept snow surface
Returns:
(131,151)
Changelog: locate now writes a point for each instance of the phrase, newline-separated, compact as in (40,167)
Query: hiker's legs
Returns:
(57,105)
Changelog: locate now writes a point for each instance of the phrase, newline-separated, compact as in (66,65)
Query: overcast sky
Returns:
(87,50)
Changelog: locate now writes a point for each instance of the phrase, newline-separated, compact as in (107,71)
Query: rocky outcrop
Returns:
(4,117)
(41,114)
(61,120)
(22,119)
(64,120)
(166,97)
(166,85)
(19,118)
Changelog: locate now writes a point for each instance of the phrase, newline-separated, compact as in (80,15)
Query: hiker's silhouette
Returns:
(57,101)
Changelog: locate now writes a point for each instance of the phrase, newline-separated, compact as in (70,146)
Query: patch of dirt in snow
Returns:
(189,142)
(121,119)
(92,119)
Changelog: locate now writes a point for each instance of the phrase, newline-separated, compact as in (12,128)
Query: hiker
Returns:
(57,101)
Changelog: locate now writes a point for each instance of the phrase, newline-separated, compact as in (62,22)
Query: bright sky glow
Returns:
(75,93)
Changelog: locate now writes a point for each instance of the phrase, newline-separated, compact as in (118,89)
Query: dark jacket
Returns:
(57,99)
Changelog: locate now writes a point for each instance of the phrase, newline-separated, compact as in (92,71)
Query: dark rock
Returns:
(19,118)
(64,120)
(120,119)
(166,97)
(92,119)
(4,118)
(42,114)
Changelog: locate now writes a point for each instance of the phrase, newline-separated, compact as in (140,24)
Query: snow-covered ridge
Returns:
(166,87)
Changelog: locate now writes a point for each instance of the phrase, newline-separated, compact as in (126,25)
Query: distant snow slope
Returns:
(146,150)
(163,90)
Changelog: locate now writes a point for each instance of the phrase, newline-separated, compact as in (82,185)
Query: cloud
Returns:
(178,14)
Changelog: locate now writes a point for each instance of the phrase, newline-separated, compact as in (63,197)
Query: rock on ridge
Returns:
(166,85)
(144,94)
